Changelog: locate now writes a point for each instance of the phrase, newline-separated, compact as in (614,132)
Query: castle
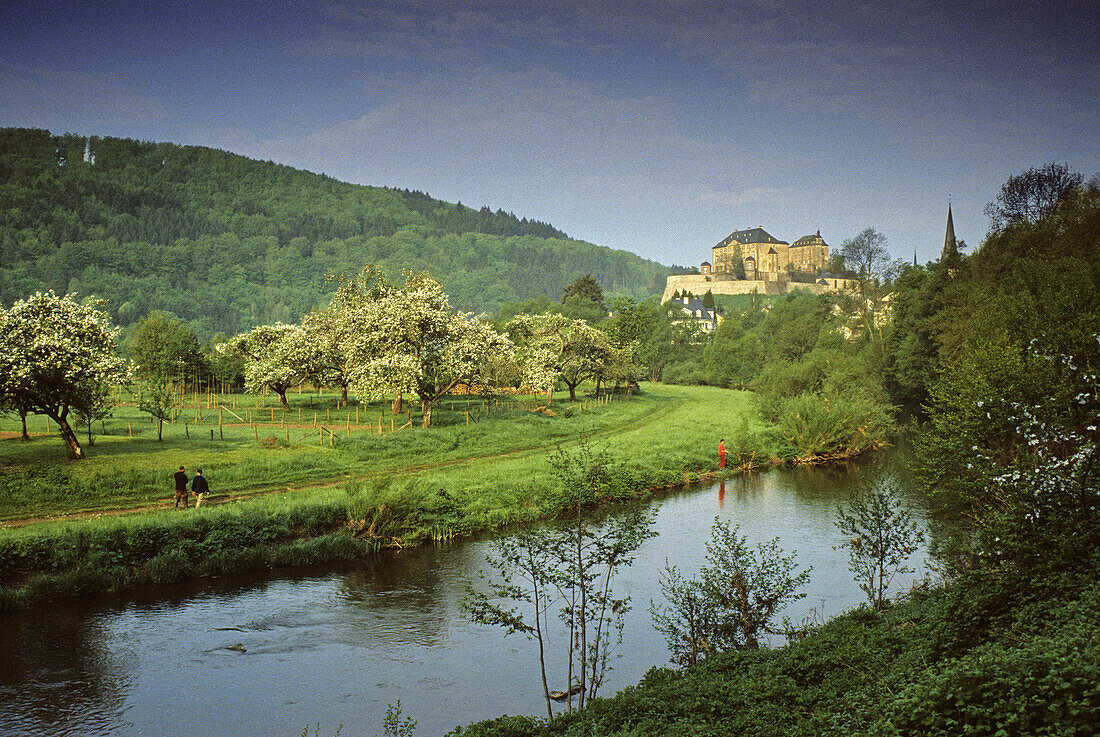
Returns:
(753,259)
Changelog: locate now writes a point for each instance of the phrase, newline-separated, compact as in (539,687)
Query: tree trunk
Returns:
(426,406)
(67,434)
(282,398)
(550,395)
(572,391)
(344,394)
(23,417)
(396,407)
(160,430)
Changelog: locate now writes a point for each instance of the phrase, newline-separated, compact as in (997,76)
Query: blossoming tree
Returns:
(409,338)
(560,347)
(276,357)
(56,355)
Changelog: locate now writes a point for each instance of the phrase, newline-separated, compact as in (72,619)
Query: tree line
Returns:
(376,337)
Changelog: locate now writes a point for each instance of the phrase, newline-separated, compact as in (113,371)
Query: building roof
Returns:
(693,307)
(810,240)
(752,235)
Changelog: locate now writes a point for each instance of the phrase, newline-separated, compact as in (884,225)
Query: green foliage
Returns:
(396,512)
(164,349)
(586,289)
(226,243)
(815,427)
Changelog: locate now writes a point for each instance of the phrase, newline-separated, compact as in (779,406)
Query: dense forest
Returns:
(226,243)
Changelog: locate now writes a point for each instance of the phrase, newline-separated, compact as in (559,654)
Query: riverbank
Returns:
(995,653)
(396,490)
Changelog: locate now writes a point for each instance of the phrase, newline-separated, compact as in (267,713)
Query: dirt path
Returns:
(658,411)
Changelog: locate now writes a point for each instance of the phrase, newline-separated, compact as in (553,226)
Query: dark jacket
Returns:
(181,481)
(199,486)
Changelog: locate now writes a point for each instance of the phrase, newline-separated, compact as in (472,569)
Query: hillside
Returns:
(226,242)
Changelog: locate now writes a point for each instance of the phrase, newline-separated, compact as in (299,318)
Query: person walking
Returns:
(722,453)
(181,487)
(199,487)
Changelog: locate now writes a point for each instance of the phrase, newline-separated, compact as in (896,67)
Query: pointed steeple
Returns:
(950,257)
(950,247)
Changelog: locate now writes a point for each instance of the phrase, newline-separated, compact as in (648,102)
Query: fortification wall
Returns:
(699,284)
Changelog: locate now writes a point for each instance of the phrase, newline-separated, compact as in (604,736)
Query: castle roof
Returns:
(752,235)
(810,240)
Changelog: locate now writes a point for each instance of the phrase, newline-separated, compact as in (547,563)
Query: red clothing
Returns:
(722,454)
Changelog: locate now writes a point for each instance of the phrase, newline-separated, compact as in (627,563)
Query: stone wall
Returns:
(698,285)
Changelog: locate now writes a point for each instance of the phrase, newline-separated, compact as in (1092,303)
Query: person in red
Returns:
(722,453)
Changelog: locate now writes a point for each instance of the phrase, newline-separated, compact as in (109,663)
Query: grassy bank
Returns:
(990,655)
(306,503)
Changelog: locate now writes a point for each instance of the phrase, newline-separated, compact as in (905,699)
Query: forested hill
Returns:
(226,242)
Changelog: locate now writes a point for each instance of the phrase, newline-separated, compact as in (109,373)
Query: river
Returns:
(324,648)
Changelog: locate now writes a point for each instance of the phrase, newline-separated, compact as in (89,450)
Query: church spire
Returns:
(950,256)
(950,247)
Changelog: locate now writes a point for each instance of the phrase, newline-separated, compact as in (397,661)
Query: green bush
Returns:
(506,726)
(1045,686)
(811,426)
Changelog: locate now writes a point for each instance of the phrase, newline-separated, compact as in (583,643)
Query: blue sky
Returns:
(656,127)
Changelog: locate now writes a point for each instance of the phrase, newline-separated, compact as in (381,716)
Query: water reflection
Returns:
(336,646)
(55,678)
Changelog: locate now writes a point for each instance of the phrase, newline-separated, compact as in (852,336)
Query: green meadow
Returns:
(332,491)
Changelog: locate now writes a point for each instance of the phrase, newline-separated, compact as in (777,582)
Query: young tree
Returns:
(881,537)
(738,592)
(158,398)
(526,565)
(164,349)
(55,356)
(96,406)
(570,568)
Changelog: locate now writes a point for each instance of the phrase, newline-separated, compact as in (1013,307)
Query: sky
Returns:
(654,127)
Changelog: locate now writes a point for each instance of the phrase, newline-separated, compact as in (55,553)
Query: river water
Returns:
(333,647)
